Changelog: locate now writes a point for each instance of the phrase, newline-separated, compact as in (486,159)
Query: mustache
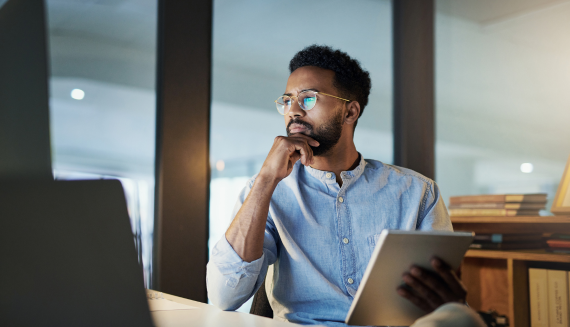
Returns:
(300,122)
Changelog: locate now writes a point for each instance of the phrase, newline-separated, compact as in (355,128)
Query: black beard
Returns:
(327,134)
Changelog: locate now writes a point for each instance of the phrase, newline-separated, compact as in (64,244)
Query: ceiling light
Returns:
(527,167)
(220,165)
(77,94)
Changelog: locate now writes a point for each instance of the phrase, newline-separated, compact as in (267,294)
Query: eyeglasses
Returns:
(306,99)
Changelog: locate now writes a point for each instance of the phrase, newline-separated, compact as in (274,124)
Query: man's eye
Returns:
(309,102)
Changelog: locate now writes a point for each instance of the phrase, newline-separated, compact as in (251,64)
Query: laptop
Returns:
(68,256)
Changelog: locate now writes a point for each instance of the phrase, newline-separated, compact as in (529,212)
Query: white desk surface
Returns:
(207,315)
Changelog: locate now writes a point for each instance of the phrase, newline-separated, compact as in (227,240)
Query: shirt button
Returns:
(329,175)
(340,199)
(345,240)
(350,281)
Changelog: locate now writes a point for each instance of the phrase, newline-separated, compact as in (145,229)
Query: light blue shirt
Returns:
(320,237)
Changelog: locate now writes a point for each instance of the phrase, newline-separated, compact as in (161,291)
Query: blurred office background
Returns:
(502,108)
(502,101)
(102,100)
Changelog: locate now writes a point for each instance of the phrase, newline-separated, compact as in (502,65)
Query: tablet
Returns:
(377,302)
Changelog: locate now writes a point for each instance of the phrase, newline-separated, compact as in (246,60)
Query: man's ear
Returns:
(352,112)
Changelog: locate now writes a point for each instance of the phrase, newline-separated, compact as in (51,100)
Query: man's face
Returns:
(325,121)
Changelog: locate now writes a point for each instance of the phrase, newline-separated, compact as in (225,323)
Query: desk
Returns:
(209,316)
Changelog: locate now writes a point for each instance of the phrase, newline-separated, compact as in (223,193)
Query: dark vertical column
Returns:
(182,148)
(414,115)
(24,97)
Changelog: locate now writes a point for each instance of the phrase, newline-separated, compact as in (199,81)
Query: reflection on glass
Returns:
(102,101)
(502,102)
(251,54)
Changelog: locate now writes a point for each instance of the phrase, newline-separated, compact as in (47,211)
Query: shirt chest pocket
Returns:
(366,252)
(372,240)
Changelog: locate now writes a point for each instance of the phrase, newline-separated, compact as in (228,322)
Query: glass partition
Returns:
(102,101)
(502,102)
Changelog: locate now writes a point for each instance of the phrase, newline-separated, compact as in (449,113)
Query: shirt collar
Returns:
(330,176)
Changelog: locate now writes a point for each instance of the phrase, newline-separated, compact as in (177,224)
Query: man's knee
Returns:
(451,315)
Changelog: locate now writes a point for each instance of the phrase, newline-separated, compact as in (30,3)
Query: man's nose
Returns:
(295,110)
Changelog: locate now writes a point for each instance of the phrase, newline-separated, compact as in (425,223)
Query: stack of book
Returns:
(558,243)
(508,241)
(497,205)
(549,305)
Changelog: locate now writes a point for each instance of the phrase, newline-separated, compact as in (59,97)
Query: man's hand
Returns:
(429,290)
(284,153)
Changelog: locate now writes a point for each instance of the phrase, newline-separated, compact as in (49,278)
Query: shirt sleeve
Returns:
(433,213)
(230,280)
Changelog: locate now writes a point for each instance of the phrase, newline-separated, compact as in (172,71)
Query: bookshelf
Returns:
(498,279)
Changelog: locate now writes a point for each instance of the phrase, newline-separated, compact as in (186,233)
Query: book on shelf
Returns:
(538,291)
(508,246)
(557,298)
(493,212)
(558,243)
(498,198)
(549,297)
(560,236)
(500,205)
(501,238)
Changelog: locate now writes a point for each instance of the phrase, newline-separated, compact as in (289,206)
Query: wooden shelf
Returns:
(512,220)
(498,279)
(525,255)
(509,225)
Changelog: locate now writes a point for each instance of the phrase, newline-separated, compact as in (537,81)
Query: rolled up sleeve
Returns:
(230,280)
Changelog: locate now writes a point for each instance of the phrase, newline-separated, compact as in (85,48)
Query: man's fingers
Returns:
(304,149)
(300,144)
(449,276)
(434,283)
(306,152)
(433,288)
(423,291)
(414,299)
(294,157)
(310,140)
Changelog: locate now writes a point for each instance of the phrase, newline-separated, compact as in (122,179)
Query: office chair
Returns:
(260,305)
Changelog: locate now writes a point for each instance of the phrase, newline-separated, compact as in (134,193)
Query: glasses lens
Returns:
(308,100)
(283,104)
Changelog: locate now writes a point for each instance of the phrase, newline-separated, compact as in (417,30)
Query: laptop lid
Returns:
(68,256)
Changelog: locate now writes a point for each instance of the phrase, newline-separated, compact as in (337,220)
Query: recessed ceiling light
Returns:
(77,94)
(220,165)
(527,167)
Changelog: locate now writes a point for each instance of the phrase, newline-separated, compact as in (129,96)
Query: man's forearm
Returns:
(247,230)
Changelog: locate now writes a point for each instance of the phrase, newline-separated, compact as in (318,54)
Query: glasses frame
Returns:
(299,102)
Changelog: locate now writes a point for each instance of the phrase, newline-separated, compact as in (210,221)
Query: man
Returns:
(316,208)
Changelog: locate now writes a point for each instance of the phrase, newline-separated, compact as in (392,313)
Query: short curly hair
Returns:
(350,79)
